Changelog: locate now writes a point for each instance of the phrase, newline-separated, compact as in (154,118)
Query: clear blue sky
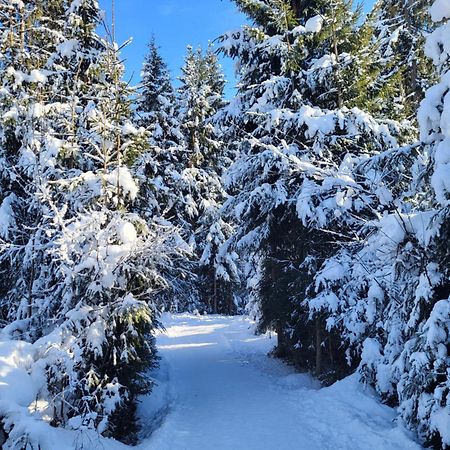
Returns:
(175,24)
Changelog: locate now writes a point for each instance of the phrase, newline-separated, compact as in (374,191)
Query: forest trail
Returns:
(218,390)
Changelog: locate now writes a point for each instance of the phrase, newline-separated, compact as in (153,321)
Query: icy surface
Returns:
(223,392)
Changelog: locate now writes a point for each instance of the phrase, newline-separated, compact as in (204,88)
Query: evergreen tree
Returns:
(397,71)
(81,267)
(182,185)
(388,294)
(30,140)
(295,189)
(156,105)
(201,96)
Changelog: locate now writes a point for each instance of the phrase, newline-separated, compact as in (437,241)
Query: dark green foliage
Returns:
(287,180)
(293,255)
(394,70)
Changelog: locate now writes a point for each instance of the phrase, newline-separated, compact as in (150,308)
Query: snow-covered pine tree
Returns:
(157,111)
(201,97)
(80,266)
(156,107)
(389,295)
(396,70)
(107,261)
(182,185)
(293,189)
(30,140)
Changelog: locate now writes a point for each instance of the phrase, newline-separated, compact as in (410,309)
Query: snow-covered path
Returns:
(224,393)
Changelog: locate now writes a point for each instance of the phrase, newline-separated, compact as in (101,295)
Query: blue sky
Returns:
(175,24)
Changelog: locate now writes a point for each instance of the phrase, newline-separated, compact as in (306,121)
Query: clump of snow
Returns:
(12,114)
(316,120)
(38,110)
(314,24)
(299,30)
(395,227)
(122,176)
(434,112)
(27,159)
(371,352)
(66,48)
(37,76)
(6,215)
(440,422)
(18,76)
(129,128)
(440,10)
(127,232)
(96,336)
(18,3)
(50,151)
(16,384)
(437,323)
(324,62)
(74,6)
(437,46)
(119,177)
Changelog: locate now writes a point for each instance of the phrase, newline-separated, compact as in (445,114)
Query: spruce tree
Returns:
(388,294)
(297,141)
(81,266)
(157,109)
(397,71)
(31,124)
(200,96)
(181,184)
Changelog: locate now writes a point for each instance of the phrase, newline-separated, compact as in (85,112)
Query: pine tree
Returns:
(181,184)
(397,72)
(29,145)
(81,266)
(388,294)
(200,96)
(156,105)
(298,143)
(111,297)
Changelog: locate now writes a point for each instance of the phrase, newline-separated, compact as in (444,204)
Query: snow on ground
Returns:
(20,380)
(219,390)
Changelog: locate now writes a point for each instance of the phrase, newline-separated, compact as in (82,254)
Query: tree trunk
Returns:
(30,285)
(318,348)
(296,7)
(215,292)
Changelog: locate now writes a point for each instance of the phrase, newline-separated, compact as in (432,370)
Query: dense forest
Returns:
(316,200)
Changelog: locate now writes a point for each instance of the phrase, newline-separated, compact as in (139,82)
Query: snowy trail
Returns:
(225,393)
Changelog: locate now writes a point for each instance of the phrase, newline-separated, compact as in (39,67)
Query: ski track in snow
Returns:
(218,390)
